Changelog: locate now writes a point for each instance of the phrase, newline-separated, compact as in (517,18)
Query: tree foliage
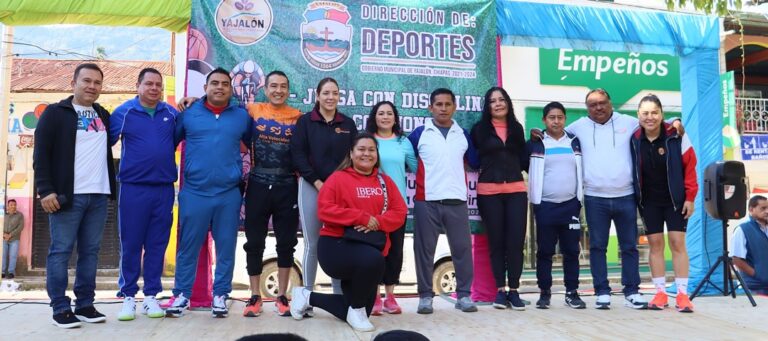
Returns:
(719,7)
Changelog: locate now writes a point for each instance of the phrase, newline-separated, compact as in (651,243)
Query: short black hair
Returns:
(146,70)
(441,91)
(553,105)
(89,66)
(754,201)
(12,201)
(218,70)
(272,337)
(276,73)
(598,90)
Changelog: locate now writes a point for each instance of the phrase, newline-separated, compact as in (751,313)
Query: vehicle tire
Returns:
(444,278)
(269,283)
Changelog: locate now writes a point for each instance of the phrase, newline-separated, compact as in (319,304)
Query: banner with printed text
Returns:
(376,50)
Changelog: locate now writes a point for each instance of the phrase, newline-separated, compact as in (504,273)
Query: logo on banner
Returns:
(244,22)
(326,36)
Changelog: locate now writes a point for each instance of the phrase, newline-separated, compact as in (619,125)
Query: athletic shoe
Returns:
(309,312)
(299,302)
(358,320)
(219,306)
(11,276)
(180,303)
(253,307)
(603,302)
(683,303)
(66,320)
(544,299)
(425,305)
(282,306)
(391,306)
(4,274)
(514,300)
(500,302)
(151,307)
(128,312)
(659,301)
(573,300)
(635,301)
(377,306)
(89,314)
(466,305)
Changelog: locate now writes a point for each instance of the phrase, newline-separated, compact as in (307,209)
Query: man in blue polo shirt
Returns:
(145,126)
(749,246)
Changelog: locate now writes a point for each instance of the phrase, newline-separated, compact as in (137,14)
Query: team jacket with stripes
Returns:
(537,152)
(681,166)
(440,174)
(147,155)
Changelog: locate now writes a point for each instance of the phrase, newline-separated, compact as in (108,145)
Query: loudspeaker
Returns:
(725,190)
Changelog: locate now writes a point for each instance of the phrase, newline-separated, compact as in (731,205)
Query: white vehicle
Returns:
(443,279)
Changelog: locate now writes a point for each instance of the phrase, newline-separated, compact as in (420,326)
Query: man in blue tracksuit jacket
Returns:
(145,126)
(210,195)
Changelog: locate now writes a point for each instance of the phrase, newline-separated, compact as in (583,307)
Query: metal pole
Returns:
(6,58)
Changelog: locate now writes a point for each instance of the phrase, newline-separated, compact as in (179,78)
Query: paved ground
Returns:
(26,316)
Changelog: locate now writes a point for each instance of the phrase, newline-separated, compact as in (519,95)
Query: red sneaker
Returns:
(282,305)
(659,302)
(376,306)
(391,306)
(684,304)
(253,307)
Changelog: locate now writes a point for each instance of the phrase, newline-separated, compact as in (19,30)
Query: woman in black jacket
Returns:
(320,142)
(501,192)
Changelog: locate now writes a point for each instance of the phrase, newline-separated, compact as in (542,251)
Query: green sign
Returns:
(622,74)
(377,50)
(730,131)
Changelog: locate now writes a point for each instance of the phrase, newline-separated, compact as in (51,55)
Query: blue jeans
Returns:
(623,212)
(10,251)
(81,224)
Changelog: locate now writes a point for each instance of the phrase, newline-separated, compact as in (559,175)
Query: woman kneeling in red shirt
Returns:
(353,197)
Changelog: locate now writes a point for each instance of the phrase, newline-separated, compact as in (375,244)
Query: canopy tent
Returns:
(695,39)
(172,15)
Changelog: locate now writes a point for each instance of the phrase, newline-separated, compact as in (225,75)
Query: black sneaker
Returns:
(573,300)
(514,300)
(66,320)
(90,315)
(544,299)
(3,274)
(10,276)
(501,301)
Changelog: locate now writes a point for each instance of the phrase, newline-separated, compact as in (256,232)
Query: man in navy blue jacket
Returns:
(74,176)
(145,126)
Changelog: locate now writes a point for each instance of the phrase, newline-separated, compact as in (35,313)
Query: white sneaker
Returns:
(151,307)
(219,306)
(358,320)
(603,302)
(635,301)
(299,302)
(128,312)
(180,303)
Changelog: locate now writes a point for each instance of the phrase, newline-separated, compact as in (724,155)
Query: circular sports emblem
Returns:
(661,151)
(244,22)
(326,36)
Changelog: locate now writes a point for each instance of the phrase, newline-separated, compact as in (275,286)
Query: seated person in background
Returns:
(749,246)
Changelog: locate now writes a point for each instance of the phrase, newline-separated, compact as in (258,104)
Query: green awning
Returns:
(172,15)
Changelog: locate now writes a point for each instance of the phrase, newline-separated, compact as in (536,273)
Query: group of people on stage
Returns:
(346,190)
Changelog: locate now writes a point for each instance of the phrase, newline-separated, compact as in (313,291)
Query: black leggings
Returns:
(359,267)
(261,203)
(504,218)
(393,262)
